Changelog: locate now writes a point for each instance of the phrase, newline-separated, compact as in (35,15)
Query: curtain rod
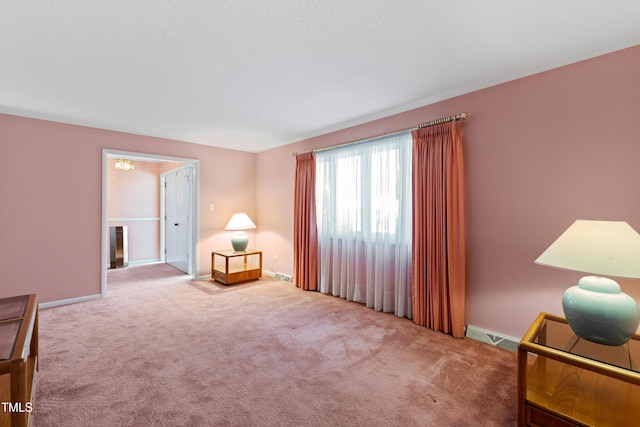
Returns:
(461,116)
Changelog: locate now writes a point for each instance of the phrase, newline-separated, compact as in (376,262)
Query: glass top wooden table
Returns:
(18,358)
(564,380)
(229,266)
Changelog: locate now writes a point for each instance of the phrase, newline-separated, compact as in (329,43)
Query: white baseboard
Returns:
(268,273)
(145,261)
(493,338)
(279,276)
(68,301)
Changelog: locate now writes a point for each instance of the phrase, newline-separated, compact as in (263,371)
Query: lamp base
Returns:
(598,311)
(240,241)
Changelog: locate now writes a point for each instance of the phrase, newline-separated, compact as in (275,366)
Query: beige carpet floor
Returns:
(162,350)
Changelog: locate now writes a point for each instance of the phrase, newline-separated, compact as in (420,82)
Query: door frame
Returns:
(163,214)
(195,202)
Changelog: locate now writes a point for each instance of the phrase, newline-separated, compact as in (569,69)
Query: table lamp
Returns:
(596,309)
(239,222)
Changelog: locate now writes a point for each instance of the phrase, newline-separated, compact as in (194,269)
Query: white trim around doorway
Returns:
(149,157)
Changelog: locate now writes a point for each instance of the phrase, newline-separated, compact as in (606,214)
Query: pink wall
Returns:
(50,184)
(540,152)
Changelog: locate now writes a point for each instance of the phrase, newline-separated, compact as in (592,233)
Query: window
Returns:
(363,208)
(363,188)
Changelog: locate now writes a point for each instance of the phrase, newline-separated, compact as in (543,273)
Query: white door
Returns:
(178,202)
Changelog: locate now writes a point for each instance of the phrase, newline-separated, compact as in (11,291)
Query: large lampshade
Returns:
(596,309)
(239,222)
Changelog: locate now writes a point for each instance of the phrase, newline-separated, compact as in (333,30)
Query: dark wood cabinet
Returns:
(18,359)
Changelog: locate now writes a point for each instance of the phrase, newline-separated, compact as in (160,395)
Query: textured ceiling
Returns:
(253,75)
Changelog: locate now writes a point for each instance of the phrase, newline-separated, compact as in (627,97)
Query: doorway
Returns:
(190,188)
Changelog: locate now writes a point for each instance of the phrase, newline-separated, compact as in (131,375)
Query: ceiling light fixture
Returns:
(125,165)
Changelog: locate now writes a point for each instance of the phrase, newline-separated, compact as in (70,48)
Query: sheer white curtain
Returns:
(363,207)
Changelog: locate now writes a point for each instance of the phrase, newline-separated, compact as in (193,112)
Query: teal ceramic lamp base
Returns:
(598,311)
(240,241)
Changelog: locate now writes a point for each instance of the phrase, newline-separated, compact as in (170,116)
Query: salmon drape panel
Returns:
(438,282)
(305,235)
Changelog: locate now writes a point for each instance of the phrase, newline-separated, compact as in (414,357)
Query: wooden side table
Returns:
(229,266)
(18,359)
(564,380)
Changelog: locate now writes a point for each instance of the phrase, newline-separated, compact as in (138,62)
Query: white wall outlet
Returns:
(275,258)
(210,207)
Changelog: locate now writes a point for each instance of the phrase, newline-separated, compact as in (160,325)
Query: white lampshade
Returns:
(596,309)
(240,221)
(607,248)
